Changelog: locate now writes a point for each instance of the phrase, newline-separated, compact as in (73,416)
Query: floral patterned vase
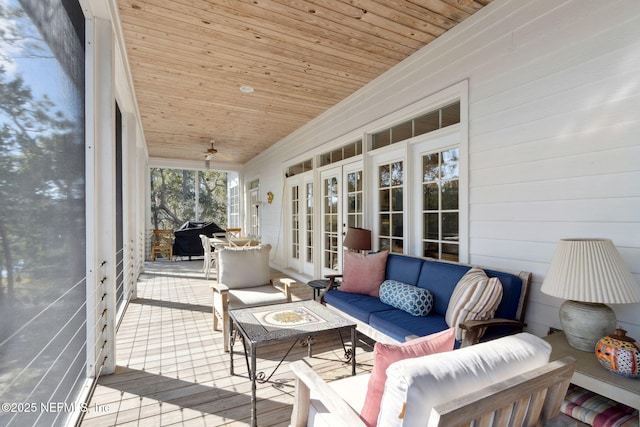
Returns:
(619,354)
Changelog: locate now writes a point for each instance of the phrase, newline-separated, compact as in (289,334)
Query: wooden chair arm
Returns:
(219,288)
(307,380)
(535,396)
(287,284)
(473,328)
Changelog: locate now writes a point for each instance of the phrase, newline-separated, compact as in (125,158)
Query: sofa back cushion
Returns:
(414,386)
(441,278)
(403,268)
(363,273)
(475,297)
(244,267)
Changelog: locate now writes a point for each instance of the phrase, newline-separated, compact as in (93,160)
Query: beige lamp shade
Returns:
(588,274)
(357,239)
(590,270)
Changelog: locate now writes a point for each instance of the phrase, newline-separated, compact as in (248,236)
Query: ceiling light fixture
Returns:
(246,89)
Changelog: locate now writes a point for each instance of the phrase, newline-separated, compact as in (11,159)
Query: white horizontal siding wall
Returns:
(554,132)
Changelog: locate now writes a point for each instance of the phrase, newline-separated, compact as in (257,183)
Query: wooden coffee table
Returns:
(260,326)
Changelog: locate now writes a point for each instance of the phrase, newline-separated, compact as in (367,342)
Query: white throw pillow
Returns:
(244,267)
(415,386)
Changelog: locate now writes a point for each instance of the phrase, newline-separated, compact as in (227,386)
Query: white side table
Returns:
(590,375)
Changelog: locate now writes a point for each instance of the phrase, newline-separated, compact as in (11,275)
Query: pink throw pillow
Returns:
(363,274)
(386,354)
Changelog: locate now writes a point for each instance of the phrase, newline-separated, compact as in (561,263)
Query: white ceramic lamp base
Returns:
(585,323)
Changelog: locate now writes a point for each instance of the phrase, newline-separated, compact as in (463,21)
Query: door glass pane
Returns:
(385,225)
(391,207)
(295,225)
(330,217)
(430,167)
(396,173)
(440,201)
(384,174)
(450,226)
(430,250)
(451,164)
(385,203)
(309,225)
(430,196)
(396,199)
(431,226)
(397,225)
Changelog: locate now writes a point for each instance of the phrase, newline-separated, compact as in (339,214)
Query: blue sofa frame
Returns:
(385,323)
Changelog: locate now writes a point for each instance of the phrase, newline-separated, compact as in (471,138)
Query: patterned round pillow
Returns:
(412,299)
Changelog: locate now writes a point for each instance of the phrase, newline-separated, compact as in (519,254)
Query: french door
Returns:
(341,206)
(300,225)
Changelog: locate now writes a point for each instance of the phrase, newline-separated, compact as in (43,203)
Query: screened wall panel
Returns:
(42,213)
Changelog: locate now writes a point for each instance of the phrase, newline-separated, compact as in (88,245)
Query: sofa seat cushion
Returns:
(410,298)
(358,306)
(399,324)
(254,297)
(415,386)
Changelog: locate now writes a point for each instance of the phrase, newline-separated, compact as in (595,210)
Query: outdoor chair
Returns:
(209,256)
(244,280)
(162,244)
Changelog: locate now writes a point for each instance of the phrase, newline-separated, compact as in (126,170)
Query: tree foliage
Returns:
(173,197)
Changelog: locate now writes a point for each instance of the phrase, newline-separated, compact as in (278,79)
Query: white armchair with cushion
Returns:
(244,280)
(507,381)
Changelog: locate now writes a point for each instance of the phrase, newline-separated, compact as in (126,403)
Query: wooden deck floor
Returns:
(171,369)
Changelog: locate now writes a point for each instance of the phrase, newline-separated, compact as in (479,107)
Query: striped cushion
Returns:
(475,297)
(596,410)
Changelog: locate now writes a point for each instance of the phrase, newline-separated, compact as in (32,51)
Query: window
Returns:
(309,216)
(299,168)
(233,210)
(295,222)
(429,122)
(330,202)
(179,195)
(354,199)
(345,152)
(440,205)
(254,209)
(390,209)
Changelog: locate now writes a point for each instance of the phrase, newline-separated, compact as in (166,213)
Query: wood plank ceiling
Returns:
(189,59)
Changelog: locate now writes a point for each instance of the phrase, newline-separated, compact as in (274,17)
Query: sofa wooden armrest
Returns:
(331,282)
(306,380)
(474,327)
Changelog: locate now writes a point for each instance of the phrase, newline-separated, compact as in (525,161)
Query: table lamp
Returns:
(589,273)
(357,239)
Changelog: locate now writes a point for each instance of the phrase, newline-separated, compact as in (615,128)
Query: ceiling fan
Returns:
(211,151)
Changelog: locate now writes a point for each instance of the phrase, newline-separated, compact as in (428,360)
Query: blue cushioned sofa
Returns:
(385,323)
